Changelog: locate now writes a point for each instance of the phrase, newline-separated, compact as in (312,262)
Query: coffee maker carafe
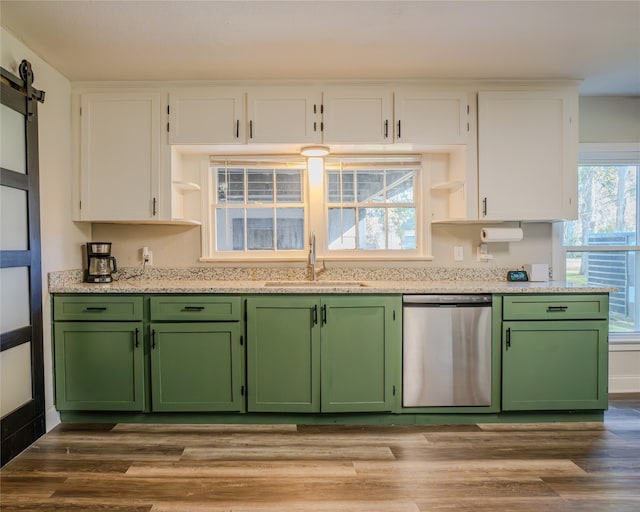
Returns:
(100,263)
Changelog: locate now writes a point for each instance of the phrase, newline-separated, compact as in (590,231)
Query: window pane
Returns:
(13,152)
(230,186)
(610,268)
(15,378)
(14,226)
(370,186)
(230,229)
(340,191)
(371,228)
(260,229)
(400,186)
(289,186)
(402,228)
(14,297)
(259,186)
(607,207)
(342,228)
(290,224)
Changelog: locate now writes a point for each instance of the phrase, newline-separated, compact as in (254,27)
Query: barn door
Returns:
(21,362)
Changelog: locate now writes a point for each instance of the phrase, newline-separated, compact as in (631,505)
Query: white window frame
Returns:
(316,218)
(600,154)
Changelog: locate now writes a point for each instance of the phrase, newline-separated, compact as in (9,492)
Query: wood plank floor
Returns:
(552,467)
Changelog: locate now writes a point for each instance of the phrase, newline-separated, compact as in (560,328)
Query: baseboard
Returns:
(624,383)
(52,418)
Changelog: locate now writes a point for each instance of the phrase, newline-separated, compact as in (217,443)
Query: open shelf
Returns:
(186,186)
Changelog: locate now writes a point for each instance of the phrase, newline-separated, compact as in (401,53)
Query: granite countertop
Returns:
(294,281)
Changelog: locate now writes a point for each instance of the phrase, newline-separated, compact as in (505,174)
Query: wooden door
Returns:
(196,366)
(21,361)
(357,355)
(283,354)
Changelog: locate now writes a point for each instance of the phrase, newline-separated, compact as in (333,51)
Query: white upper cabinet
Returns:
(527,154)
(284,115)
(424,116)
(212,115)
(358,115)
(120,156)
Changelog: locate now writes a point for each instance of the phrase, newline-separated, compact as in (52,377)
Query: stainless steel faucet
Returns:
(312,255)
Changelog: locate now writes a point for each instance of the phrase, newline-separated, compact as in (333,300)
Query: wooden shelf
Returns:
(448,185)
(186,186)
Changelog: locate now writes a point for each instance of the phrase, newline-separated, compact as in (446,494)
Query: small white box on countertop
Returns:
(537,271)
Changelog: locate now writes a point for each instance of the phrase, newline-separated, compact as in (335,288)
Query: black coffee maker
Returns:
(100,263)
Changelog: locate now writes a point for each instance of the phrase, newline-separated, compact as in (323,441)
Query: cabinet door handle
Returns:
(508,338)
(193,308)
(95,308)
(251,129)
(557,309)
(137,338)
(315,315)
(386,129)
(324,314)
(153,338)
(399,130)
(237,128)
(484,207)
(154,208)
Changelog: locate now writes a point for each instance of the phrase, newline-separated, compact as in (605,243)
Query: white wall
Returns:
(61,238)
(609,119)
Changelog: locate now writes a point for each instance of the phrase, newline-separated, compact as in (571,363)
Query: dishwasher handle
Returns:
(447,300)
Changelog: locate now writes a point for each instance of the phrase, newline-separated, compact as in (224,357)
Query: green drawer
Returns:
(103,307)
(555,307)
(195,308)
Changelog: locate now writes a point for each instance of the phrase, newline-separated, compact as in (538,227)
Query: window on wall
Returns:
(602,246)
(369,207)
(258,206)
(357,207)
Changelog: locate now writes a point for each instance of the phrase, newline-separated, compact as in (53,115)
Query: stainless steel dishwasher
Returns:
(446,350)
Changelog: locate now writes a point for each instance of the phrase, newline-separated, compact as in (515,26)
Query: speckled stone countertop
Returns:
(233,280)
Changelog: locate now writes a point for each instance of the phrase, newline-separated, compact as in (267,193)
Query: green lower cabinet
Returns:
(335,354)
(196,367)
(99,366)
(358,361)
(283,354)
(554,365)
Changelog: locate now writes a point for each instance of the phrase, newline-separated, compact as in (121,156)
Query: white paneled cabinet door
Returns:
(527,155)
(358,115)
(213,115)
(284,115)
(431,117)
(120,156)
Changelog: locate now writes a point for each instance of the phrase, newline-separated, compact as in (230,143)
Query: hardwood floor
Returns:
(552,467)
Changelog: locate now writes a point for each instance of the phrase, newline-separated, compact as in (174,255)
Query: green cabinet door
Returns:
(99,366)
(283,354)
(196,367)
(553,365)
(360,353)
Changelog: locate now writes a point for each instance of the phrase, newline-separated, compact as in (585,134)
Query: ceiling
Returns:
(595,41)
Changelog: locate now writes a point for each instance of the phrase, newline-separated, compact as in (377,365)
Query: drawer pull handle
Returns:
(193,308)
(557,309)
(102,308)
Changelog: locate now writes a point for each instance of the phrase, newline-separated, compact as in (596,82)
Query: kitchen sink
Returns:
(314,284)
